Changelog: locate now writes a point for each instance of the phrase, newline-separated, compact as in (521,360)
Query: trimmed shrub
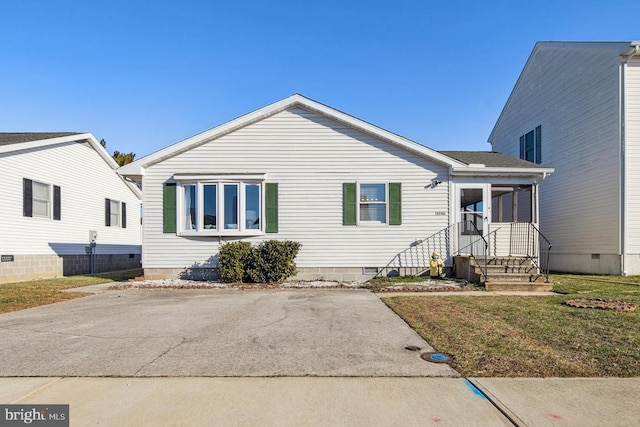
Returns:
(272,261)
(232,261)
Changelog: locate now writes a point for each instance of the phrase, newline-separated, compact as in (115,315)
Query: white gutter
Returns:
(633,50)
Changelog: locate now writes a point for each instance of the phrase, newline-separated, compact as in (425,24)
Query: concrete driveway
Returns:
(159,332)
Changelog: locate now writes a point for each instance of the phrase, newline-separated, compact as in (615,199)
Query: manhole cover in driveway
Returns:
(436,357)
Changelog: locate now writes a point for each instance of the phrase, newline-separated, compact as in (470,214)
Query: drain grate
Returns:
(436,357)
(412,348)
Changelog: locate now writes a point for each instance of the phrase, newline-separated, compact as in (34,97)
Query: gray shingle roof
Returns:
(490,159)
(7,138)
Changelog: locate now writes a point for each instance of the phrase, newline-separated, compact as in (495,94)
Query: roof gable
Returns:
(11,142)
(137,167)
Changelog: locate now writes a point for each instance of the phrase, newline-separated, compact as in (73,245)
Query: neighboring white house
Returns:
(576,108)
(57,187)
(354,195)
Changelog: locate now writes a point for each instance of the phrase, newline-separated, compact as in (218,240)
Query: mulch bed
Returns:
(602,304)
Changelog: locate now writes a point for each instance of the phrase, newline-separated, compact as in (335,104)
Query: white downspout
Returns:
(452,210)
(622,217)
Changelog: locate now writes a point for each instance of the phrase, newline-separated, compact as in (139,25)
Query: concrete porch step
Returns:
(518,286)
(503,272)
(516,269)
(514,277)
(506,261)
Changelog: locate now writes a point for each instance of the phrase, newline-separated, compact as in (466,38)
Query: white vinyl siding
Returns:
(572,92)
(85,180)
(632,130)
(310,157)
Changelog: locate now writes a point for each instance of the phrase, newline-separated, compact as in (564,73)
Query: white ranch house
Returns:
(576,108)
(361,200)
(57,187)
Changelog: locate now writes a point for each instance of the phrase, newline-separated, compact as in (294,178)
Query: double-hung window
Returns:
(115,213)
(41,200)
(219,206)
(371,203)
(531,146)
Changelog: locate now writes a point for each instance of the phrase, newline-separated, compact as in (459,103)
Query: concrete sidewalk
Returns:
(333,401)
(565,401)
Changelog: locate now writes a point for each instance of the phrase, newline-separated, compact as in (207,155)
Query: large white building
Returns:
(576,108)
(57,188)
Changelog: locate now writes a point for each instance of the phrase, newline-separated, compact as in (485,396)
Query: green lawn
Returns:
(18,296)
(511,336)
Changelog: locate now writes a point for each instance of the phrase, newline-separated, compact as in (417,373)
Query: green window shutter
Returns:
(271,196)
(538,145)
(107,212)
(56,203)
(27,197)
(169,208)
(395,203)
(349,204)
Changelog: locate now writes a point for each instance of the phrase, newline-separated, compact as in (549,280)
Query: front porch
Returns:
(510,256)
(493,236)
(495,241)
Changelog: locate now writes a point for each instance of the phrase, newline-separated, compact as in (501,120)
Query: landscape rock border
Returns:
(140,283)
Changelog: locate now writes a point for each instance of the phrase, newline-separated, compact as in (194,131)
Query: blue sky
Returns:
(147,74)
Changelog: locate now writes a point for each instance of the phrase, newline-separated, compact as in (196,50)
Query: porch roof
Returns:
(490,159)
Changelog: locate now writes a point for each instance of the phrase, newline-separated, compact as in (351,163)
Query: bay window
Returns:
(231,206)
(190,207)
(220,207)
(252,207)
(209,206)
